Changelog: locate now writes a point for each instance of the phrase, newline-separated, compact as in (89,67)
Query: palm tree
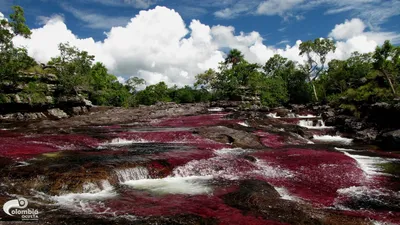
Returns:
(235,56)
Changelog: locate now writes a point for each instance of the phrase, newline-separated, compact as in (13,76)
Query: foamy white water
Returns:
(216,109)
(123,141)
(230,151)
(194,185)
(368,192)
(306,116)
(244,124)
(136,173)
(310,124)
(227,165)
(267,170)
(284,193)
(273,115)
(91,192)
(332,139)
(369,164)
(302,138)
(192,178)
(345,149)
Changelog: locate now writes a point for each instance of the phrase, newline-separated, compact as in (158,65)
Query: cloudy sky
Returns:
(173,40)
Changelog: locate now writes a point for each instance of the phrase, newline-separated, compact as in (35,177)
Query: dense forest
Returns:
(362,78)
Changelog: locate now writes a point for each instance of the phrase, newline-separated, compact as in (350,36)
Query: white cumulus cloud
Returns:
(157,45)
(348,29)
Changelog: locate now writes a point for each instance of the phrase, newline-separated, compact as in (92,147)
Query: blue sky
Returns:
(173,40)
(280,22)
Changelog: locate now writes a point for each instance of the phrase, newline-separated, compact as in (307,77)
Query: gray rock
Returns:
(17,99)
(88,103)
(78,110)
(237,138)
(381,105)
(282,112)
(367,135)
(50,99)
(390,140)
(56,113)
(328,114)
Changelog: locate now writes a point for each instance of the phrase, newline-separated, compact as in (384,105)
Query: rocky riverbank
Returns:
(35,97)
(375,123)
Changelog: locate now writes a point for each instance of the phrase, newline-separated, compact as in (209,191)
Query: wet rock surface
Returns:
(189,164)
(231,136)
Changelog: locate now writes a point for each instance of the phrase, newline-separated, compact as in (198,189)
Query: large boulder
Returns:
(328,115)
(389,140)
(282,112)
(259,198)
(368,135)
(237,138)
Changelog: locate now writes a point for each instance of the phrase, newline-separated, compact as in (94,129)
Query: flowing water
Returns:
(163,169)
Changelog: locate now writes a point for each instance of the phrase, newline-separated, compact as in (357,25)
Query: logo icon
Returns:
(20,203)
(18,207)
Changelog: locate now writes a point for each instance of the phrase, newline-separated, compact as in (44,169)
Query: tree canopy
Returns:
(362,78)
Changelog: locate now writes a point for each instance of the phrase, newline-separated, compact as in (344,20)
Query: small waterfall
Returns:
(369,164)
(216,109)
(122,141)
(193,185)
(313,124)
(333,139)
(309,116)
(136,173)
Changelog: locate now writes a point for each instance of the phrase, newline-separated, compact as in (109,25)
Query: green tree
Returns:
(183,95)
(18,21)
(232,83)
(294,81)
(74,67)
(104,88)
(234,57)
(206,80)
(388,63)
(153,94)
(344,74)
(134,82)
(12,59)
(277,66)
(316,52)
